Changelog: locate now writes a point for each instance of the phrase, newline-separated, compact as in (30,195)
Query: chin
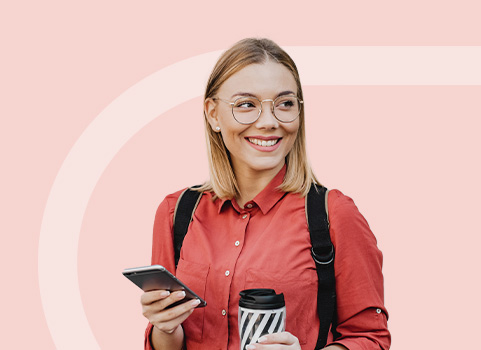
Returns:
(265,166)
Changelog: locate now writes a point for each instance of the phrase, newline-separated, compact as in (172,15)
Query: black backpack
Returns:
(322,249)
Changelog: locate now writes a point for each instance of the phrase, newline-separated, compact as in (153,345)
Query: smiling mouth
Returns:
(263,143)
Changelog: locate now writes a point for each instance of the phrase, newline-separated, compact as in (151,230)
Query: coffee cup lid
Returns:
(261,299)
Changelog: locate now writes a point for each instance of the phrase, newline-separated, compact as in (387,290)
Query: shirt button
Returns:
(227,273)
(236,243)
(224,312)
(244,216)
(249,205)
(378,311)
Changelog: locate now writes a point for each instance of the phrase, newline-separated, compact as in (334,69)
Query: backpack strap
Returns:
(322,252)
(183,213)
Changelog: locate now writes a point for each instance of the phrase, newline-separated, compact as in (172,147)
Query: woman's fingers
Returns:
(172,313)
(168,320)
(150,297)
(282,340)
(155,307)
(156,301)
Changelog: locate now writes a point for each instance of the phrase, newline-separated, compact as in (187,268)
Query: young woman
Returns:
(249,229)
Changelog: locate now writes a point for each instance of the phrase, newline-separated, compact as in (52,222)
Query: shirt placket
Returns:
(237,244)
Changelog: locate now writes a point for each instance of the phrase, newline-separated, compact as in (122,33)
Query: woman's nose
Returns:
(267,119)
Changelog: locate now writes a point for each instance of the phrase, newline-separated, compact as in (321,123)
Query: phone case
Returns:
(156,277)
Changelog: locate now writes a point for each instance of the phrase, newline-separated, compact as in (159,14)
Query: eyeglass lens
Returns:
(246,110)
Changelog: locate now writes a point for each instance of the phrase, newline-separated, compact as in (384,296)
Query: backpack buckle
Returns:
(324,259)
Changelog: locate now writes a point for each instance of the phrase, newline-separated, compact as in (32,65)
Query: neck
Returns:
(252,182)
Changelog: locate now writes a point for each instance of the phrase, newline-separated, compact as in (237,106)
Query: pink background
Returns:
(408,155)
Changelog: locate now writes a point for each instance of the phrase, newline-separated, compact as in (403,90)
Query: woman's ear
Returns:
(210,112)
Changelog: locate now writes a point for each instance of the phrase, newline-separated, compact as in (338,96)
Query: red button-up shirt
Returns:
(266,244)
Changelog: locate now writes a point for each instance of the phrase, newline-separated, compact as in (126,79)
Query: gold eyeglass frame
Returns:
(301,102)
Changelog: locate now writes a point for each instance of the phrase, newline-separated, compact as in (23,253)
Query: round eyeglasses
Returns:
(246,110)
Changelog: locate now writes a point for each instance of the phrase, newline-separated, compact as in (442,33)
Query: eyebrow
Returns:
(248,94)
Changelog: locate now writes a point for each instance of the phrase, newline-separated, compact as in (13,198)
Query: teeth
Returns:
(263,143)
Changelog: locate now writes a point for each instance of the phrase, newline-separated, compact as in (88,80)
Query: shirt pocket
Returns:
(300,294)
(194,275)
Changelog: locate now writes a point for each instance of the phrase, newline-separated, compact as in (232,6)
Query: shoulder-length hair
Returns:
(299,175)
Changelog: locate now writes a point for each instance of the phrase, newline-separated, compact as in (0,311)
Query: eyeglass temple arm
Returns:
(217,98)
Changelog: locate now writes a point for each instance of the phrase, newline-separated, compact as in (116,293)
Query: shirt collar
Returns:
(269,196)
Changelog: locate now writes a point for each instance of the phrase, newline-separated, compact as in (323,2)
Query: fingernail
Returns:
(261,339)
(250,347)
(164,294)
(181,295)
(195,302)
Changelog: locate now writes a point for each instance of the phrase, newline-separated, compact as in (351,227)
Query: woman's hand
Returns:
(281,341)
(167,332)
(154,305)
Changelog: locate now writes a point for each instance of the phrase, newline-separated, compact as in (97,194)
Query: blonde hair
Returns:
(299,175)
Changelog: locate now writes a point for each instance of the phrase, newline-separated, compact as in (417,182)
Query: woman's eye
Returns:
(245,104)
(285,104)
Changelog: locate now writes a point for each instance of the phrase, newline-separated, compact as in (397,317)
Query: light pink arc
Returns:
(178,83)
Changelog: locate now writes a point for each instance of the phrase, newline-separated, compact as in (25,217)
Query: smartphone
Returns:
(157,277)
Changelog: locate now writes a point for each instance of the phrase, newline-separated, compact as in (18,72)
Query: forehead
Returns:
(264,79)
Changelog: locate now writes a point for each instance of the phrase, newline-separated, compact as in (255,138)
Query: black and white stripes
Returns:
(255,323)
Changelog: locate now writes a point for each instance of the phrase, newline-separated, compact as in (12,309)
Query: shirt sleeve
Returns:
(163,245)
(361,315)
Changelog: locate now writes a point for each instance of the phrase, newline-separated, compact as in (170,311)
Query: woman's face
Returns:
(244,142)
